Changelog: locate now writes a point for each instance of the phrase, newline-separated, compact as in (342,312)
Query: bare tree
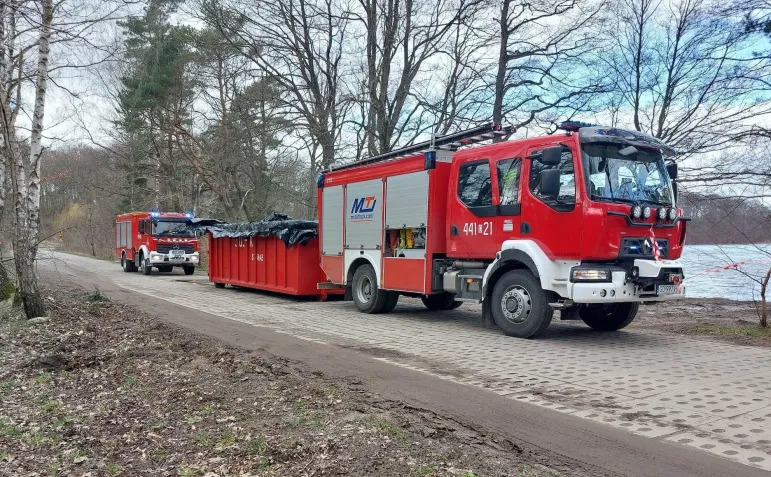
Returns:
(543,62)
(401,37)
(299,44)
(687,73)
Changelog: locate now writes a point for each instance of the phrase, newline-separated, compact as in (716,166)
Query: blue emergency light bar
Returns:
(574,126)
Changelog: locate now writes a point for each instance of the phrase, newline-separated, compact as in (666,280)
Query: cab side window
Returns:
(474,184)
(508,180)
(142,227)
(566,200)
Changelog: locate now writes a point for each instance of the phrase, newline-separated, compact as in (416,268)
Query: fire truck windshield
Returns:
(177,229)
(640,177)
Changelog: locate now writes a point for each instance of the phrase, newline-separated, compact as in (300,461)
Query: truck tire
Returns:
(369,298)
(519,305)
(611,317)
(128,265)
(391,301)
(145,264)
(189,270)
(440,301)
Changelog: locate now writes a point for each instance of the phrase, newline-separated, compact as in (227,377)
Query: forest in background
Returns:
(230,108)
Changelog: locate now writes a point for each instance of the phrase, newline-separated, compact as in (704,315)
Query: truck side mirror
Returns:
(672,170)
(550,183)
(551,156)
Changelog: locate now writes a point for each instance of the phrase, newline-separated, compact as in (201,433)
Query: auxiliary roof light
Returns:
(662,213)
(672,214)
(646,212)
(636,212)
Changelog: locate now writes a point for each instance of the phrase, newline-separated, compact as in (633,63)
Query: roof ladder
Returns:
(449,142)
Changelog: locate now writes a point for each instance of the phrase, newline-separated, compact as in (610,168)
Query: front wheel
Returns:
(611,317)
(369,298)
(188,269)
(519,305)
(146,267)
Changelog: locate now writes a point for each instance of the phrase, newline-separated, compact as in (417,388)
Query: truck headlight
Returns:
(194,258)
(155,256)
(590,275)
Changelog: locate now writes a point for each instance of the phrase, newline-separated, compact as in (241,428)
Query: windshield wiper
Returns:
(616,200)
(655,202)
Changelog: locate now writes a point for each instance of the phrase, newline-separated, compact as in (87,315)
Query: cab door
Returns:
(554,223)
(472,214)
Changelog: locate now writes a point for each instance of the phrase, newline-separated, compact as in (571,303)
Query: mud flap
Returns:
(487,315)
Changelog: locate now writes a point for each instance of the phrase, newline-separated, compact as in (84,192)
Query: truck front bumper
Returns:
(170,259)
(656,282)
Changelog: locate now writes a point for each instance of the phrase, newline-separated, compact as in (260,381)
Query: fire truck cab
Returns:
(162,240)
(584,222)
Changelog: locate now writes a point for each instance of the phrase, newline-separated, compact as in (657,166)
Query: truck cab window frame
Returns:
(475,188)
(566,200)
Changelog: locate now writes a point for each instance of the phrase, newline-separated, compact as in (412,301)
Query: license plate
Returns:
(666,289)
(177,253)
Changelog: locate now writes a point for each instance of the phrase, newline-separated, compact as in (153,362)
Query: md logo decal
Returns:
(362,209)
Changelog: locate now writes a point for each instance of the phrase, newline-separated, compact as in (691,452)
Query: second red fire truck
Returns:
(162,240)
(583,222)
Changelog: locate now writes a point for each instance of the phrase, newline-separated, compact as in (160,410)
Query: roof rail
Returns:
(449,142)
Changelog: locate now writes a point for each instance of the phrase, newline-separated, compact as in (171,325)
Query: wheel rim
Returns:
(364,290)
(516,304)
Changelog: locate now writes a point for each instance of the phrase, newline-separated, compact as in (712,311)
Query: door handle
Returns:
(454,231)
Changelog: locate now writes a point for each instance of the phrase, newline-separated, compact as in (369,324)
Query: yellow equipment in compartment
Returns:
(406,238)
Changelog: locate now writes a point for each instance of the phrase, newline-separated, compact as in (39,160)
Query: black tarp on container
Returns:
(289,230)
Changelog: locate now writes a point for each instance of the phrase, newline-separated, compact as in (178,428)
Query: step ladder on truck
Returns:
(584,222)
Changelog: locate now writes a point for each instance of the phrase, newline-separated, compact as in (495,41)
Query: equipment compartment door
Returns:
(472,214)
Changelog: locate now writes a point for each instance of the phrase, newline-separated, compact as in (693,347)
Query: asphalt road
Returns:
(627,403)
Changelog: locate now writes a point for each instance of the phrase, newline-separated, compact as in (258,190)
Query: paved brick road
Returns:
(715,397)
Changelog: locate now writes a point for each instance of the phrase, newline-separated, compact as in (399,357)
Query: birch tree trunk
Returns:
(27,182)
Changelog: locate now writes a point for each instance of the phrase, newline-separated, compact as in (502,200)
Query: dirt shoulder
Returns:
(104,389)
(729,321)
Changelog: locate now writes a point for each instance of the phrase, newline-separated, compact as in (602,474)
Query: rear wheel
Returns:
(519,305)
(391,301)
(145,264)
(128,265)
(369,298)
(611,317)
(440,301)
(189,270)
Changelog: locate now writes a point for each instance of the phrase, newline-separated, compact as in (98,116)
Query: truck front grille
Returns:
(166,248)
(637,248)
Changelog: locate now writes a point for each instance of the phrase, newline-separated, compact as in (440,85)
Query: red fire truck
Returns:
(584,222)
(163,240)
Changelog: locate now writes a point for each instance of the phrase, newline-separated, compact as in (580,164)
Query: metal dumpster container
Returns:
(265,263)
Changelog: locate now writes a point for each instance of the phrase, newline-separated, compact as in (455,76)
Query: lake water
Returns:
(702,281)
